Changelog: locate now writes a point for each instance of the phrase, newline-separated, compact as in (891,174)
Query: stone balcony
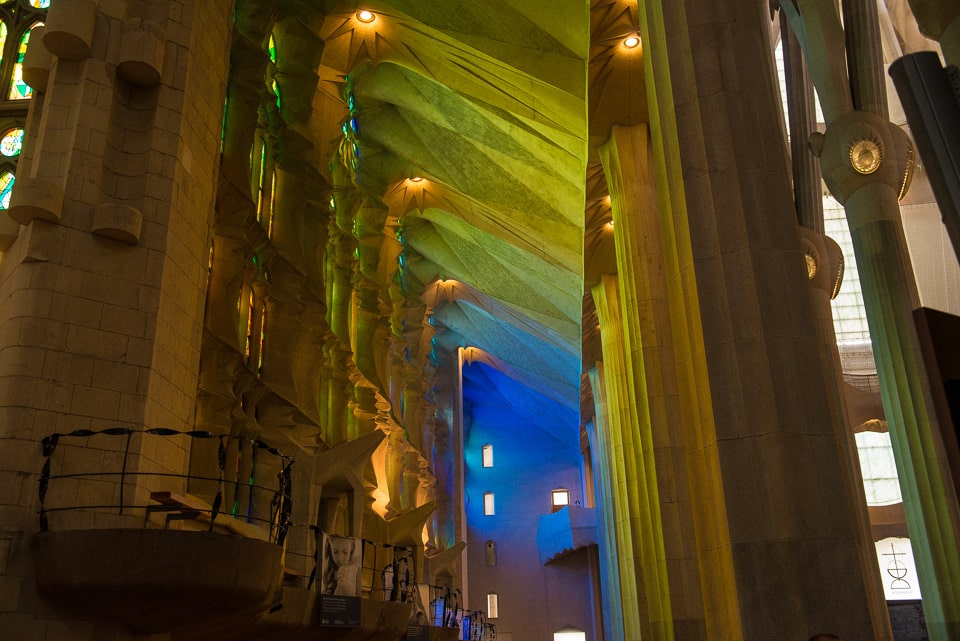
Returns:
(568,529)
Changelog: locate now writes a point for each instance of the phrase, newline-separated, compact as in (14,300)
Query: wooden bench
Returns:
(185,506)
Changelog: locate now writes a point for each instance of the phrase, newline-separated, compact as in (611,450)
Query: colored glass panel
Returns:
(20,90)
(272,49)
(3,38)
(6,186)
(40,4)
(12,142)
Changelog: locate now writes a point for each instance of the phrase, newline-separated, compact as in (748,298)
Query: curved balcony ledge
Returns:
(156,580)
(564,531)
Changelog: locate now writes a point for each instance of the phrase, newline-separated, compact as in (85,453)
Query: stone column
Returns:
(782,534)
(866,163)
(824,261)
(626,487)
(603,454)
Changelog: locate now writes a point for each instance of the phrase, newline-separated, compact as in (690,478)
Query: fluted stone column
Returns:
(781,535)
(825,271)
(603,453)
(627,486)
(865,163)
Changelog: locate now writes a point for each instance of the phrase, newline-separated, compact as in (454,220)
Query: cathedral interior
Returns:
(515,320)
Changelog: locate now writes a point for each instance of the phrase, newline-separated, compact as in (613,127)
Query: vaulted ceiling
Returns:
(495,109)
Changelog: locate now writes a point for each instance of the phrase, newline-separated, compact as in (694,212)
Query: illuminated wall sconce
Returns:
(366,16)
(631,41)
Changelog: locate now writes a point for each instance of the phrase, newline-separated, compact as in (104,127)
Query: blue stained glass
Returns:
(40,4)
(6,186)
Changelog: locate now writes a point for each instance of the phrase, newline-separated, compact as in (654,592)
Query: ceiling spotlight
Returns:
(365,16)
(416,179)
(610,224)
(631,41)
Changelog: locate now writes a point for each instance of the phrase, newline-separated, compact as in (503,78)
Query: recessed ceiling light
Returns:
(366,16)
(610,224)
(631,41)
(416,179)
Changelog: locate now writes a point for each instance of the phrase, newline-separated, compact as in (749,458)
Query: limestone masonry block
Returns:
(44,241)
(70,26)
(35,198)
(8,233)
(119,222)
(38,61)
(141,53)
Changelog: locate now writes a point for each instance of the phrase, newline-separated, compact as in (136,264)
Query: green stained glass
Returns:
(6,186)
(19,89)
(276,90)
(11,142)
(40,4)
(272,49)
(3,38)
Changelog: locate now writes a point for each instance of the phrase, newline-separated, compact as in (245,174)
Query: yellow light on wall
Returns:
(366,16)
(632,41)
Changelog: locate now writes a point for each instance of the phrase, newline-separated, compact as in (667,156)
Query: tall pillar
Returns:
(621,414)
(866,162)
(766,441)
(602,455)
(824,260)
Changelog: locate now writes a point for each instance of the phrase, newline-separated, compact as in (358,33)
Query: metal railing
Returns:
(277,522)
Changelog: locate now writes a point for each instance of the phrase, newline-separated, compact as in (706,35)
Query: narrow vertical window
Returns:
(6,186)
(250,307)
(263,324)
(3,38)
(488,504)
(487,455)
(490,553)
(20,90)
(493,605)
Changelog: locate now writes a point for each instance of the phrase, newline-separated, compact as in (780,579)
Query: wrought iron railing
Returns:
(277,523)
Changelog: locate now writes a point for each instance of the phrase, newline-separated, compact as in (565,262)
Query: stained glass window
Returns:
(3,38)
(6,186)
(19,89)
(11,142)
(40,4)
(272,49)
